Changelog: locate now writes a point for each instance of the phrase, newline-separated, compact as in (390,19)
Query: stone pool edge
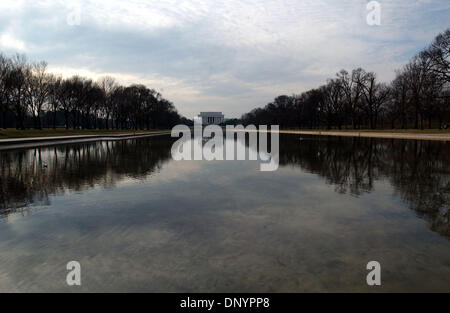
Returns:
(21,143)
(368,134)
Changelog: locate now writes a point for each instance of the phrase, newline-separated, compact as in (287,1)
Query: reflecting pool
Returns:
(138,221)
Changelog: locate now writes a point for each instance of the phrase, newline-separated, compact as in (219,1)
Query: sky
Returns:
(220,55)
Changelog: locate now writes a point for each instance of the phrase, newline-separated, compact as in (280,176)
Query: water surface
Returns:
(138,221)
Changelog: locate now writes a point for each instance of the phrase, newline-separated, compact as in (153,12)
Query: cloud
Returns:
(9,42)
(224,55)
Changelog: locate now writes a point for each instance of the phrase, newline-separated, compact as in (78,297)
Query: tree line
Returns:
(418,97)
(30,96)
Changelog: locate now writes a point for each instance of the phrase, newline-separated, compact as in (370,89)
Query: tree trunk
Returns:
(416,123)
(66,117)
(39,124)
(54,119)
(3,120)
(107,121)
(19,118)
(403,120)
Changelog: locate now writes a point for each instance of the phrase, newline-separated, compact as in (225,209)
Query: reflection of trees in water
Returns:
(418,170)
(29,176)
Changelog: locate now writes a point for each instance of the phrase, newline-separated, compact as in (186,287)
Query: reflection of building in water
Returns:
(417,170)
(211,118)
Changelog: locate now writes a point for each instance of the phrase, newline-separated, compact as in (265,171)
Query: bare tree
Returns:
(66,97)
(416,72)
(367,83)
(334,102)
(108,85)
(439,54)
(352,92)
(400,102)
(5,69)
(54,101)
(38,88)
(16,84)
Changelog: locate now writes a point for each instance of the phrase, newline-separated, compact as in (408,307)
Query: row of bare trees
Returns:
(28,91)
(418,97)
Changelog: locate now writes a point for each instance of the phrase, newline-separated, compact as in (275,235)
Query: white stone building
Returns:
(211,118)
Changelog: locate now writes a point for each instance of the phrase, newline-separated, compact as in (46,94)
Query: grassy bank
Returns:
(393,134)
(29,133)
(387,131)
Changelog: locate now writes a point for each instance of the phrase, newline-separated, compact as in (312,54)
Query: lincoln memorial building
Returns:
(211,118)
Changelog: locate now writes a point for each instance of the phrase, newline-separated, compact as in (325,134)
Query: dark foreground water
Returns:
(138,221)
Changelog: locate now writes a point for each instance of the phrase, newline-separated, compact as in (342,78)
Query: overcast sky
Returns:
(214,55)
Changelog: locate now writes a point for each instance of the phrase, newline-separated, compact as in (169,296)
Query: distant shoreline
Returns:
(32,142)
(61,138)
(415,135)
